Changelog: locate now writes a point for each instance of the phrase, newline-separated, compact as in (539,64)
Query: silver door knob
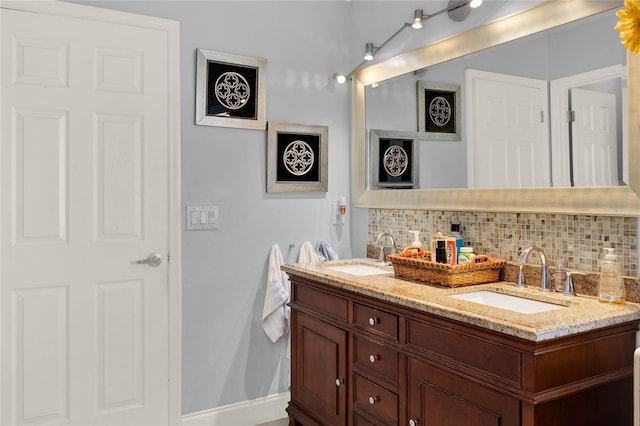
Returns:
(153,260)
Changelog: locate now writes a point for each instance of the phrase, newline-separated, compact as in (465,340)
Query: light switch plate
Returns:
(202,217)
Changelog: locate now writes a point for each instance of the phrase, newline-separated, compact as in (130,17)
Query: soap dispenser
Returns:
(416,239)
(559,277)
(611,286)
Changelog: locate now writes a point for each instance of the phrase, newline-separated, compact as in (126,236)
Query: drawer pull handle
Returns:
(413,422)
(339,382)
(374,321)
(372,400)
(374,358)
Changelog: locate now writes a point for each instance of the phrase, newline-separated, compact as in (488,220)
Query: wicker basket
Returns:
(480,270)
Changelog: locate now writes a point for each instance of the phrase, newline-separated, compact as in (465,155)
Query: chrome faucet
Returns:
(545,276)
(377,244)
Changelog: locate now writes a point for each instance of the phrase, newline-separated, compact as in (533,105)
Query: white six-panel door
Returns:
(507,133)
(595,138)
(85,158)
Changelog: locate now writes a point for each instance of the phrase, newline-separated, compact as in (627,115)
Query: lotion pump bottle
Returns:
(559,277)
(416,239)
(611,286)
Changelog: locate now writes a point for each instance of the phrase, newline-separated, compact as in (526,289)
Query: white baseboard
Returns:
(247,413)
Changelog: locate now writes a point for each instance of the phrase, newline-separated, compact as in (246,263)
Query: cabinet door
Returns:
(319,365)
(441,398)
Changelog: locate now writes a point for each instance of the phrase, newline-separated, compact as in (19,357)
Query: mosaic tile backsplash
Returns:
(576,240)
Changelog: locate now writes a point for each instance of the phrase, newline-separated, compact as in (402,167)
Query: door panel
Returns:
(85,194)
(321,368)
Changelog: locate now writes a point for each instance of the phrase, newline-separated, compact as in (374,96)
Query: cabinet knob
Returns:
(372,400)
(374,358)
(339,382)
(373,321)
(413,422)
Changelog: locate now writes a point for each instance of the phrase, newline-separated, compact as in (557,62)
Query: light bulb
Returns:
(475,3)
(418,16)
(368,51)
(340,78)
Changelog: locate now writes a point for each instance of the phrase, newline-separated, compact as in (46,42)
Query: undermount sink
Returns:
(359,269)
(507,301)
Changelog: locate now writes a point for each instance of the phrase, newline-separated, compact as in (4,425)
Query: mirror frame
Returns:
(609,201)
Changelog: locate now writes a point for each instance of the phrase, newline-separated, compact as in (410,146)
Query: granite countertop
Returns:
(578,314)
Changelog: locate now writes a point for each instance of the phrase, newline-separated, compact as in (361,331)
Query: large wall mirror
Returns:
(571,49)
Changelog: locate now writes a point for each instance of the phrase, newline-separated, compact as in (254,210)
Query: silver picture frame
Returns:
(231,90)
(400,170)
(297,158)
(439,109)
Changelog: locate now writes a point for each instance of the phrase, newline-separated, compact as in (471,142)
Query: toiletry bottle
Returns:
(441,251)
(559,277)
(434,241)
(455,233)
(416,239)
(611,286)
(466,253)
(452,251)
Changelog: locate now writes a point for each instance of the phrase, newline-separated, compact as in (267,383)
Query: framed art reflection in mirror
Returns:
(439,110)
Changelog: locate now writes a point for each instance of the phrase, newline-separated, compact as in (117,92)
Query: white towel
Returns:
(307,254)
(325,252)
(276,315)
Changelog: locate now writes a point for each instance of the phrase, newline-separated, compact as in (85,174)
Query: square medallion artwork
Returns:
(439,110)
(297,158)
(230,90)
(393,159)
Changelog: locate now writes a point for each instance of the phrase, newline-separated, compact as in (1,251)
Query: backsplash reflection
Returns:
(577,240)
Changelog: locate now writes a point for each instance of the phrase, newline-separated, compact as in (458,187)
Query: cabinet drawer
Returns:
(322,301)
(375,400)
(376,321)
(488,359)
(377,359)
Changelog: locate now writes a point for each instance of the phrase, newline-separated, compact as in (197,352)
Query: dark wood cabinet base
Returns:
(361,361)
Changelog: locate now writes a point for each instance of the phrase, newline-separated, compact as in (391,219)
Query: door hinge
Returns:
(571,116)
(168,257)
(542,116)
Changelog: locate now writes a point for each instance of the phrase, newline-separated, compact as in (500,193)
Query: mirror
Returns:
(559,61)
(619,200)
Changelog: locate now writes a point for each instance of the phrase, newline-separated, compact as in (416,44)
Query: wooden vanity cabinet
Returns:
(361,361)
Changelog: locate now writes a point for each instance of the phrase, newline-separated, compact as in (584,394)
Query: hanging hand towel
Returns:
(307,254)
(325,252)
(275,313)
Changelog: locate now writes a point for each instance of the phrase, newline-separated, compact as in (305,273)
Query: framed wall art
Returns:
(297,158)
(439,110)
(231,90)
(394,159)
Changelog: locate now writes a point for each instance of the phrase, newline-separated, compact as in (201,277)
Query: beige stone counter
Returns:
(578,314)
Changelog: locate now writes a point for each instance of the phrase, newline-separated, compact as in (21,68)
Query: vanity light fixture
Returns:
(369,51)
(418,19)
